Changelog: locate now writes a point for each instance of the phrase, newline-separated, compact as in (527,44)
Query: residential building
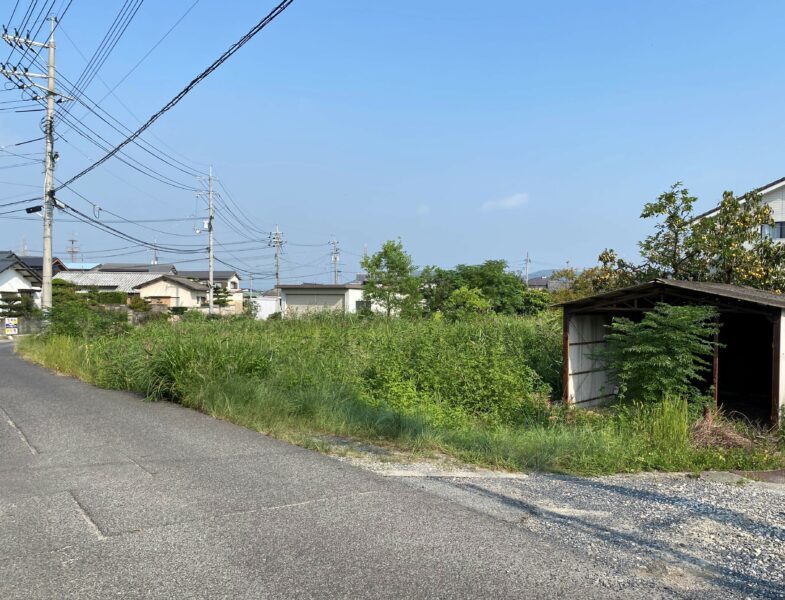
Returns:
(306,298)
(107,282)
(772,194)
(17,278)
(23,274)
(173,291)
(135,268)
(228,280)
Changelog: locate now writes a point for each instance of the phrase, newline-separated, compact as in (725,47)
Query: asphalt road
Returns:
(104,495)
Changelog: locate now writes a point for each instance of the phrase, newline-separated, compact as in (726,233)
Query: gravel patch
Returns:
(708,537)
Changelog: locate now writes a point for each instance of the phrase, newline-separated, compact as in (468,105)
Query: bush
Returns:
(663,355)
(112,298)
(76,319)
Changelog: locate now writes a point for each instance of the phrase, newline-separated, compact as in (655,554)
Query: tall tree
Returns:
(667,251)
(391,282)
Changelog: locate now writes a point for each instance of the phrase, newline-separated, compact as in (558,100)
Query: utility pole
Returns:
(73,248)
(335,257)
(276,241)
(22,79)
(527,261)
(209,226)
(210,258)
(154,260)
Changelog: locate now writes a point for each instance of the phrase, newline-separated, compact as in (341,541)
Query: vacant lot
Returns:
(477,390)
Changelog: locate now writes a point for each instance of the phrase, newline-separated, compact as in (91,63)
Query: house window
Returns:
(775,232)
(233,285)
(362,306)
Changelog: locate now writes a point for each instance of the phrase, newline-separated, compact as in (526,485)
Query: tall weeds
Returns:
(477,390)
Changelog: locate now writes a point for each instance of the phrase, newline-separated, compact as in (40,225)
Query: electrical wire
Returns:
(203,75)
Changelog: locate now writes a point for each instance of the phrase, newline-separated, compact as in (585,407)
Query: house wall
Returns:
(179,296)
(307,301)
(776,200)
(11,281)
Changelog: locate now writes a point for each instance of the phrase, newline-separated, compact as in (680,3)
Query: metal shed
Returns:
(748,371)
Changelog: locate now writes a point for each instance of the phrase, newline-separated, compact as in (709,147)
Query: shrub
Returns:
(663,355)
(111,297)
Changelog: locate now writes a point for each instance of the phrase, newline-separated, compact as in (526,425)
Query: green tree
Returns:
(465,303)
(221,297)
(731,246)
(663,355)
(505,290)
(668,252)
(391,282)
(17,305)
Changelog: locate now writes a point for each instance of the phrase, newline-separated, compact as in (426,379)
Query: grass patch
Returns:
(475,390)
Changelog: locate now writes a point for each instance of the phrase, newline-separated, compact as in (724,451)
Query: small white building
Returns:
(307,298)
(265,304)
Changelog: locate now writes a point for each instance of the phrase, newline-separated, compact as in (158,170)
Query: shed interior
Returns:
(746,369)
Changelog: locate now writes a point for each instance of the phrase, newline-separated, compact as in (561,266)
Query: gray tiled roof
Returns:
(121,282)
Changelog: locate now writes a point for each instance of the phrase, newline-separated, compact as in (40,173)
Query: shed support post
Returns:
(777,369)
(565,357)
(715,380)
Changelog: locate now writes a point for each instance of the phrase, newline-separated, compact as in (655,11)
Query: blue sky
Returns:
(469,130)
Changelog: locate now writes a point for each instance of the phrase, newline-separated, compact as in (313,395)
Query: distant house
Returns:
(17,278)
(135,268)
(306,298)
(772,194)
(106,282)
(228,280)
(546,282)
(23,274)
(173,291)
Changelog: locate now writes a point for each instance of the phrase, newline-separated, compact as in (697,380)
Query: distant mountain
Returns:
(542,273)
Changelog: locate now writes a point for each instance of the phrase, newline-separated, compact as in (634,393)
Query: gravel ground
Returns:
(713,536)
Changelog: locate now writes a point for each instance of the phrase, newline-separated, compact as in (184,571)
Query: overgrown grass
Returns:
(476,390)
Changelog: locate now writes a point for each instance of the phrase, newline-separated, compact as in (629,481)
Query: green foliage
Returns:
(138,304)
(669,250)
(18,305)
(504,290)
(465,303)
(304,379)
(730,246)
(662,355)
(80,320)
(391,283)
(111,297)
(221,296)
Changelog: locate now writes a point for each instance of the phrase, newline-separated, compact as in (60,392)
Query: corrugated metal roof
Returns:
(722,290)
(121,282)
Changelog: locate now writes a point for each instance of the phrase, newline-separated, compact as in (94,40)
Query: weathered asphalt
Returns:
(105,495)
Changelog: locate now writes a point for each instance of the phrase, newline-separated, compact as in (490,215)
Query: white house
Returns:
(228,280)
(772,194)
(17,278)
(173,291)
(306,298)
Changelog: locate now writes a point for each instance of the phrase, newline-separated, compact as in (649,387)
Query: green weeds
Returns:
(476,390)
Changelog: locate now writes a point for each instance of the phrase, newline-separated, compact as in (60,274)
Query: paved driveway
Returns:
(105,495)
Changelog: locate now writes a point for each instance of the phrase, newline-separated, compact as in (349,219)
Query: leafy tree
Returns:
(669,250)
(730,244)
(465,303)
(661,356)
(221,296)
(391,282)
(504,290)
(17,305)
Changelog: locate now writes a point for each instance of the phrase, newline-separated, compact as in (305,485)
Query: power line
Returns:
(204,74)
